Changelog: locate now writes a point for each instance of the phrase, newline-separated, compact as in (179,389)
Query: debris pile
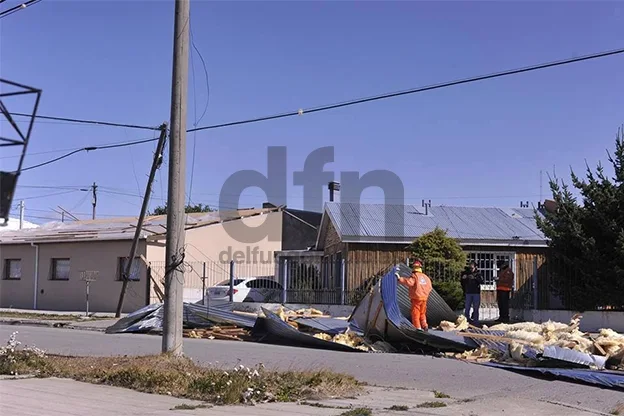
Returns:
(526,341)
(348,338)
(230,333)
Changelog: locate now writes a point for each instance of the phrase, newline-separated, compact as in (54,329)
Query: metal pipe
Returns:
(36,276)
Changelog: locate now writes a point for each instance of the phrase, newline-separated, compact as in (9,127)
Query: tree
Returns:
(162,210)
(443,261)
(587,239)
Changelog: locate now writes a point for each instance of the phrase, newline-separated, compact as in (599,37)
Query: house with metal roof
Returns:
(44,267)
(369,237)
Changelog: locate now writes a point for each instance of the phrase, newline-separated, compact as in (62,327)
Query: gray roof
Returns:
(117,228)
(377,223)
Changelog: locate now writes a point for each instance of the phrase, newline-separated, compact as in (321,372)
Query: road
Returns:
(456,378)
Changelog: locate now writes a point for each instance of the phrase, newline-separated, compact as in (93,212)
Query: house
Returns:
(43,268)
(14,224)
(369,237)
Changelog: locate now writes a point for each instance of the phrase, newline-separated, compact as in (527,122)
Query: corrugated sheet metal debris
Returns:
(273,329)
(444,341)
(150,318)
(437,309)
(330,326)
(565,356)
(609,379)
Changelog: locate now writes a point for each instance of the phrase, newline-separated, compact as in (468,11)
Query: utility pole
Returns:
(94,200)
(21,208)
(176,217)
(158,157)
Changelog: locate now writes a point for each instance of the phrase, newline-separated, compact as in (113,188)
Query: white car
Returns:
(247,289)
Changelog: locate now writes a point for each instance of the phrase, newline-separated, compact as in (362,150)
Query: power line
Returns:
(90,149)
(16,9)
(340,105)
(49,195)
(413,90)
(81,121)
(196,121)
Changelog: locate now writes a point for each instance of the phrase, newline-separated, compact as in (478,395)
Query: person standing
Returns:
(471,281)
(504,286)
(419,285)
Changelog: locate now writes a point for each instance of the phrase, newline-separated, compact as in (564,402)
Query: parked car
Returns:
(247,289)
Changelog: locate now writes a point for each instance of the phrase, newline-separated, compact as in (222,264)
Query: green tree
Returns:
(162,210)
(443,261)
(587,239)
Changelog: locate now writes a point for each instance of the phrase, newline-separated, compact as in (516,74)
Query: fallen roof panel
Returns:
(330,326)
(609,379)
(273,329)
(150,318)
(438,339)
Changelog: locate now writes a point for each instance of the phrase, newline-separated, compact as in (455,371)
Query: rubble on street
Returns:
(380,323)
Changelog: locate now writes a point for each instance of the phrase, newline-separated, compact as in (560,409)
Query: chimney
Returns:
(333,186)
(426,206)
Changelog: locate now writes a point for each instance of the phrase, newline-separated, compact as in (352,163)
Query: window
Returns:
(135,270)
(12,269)
(227,282)
(487,264)
(60,269)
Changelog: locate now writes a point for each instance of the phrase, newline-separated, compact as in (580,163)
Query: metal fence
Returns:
(541,282)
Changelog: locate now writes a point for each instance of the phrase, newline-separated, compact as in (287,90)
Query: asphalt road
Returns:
(456,378)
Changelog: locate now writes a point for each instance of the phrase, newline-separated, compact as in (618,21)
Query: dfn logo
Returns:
(249,256)
(313,179)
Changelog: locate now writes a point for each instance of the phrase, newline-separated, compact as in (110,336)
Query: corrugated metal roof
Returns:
(403,223)
(117,228)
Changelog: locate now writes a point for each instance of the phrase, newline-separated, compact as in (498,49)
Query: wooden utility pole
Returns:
(158,157)
(176,217)
(94,199)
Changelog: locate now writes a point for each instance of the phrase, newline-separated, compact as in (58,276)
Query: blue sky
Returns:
(482,144)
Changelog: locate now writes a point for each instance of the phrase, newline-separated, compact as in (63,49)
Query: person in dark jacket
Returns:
(471,281)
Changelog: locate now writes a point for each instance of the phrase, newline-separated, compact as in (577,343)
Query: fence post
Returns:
(535,284)
(231,281)
(285,282)
(342,282)
(203,283)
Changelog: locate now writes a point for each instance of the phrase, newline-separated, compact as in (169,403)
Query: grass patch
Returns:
(431,405)
(360,411)
(398,408)
(46,317)
(440,395)
(180,377)
(619,410)
(190,406)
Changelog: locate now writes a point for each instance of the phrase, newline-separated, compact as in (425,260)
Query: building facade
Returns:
(46,268)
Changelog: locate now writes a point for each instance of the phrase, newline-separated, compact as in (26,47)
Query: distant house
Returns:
(42,267)
(369,240)
(14,224)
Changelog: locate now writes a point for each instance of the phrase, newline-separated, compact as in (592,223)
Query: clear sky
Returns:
(482,144)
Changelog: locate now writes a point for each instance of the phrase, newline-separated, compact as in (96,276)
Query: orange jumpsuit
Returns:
(419,286)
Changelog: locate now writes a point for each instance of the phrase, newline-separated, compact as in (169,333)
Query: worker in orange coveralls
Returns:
(419,286)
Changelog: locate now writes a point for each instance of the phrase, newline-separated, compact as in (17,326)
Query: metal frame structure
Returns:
(8,180)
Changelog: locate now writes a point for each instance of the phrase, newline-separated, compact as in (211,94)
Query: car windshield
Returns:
(227,282)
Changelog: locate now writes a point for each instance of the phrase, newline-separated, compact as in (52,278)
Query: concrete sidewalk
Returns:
(35,397)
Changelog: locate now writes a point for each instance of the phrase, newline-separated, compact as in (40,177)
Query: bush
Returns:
(14,361)
(451,292)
